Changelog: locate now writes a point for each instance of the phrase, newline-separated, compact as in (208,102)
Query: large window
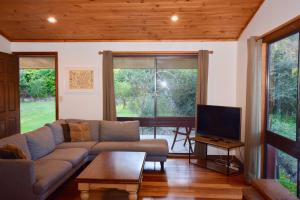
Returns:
(282,109)
(156,89)
(283,86)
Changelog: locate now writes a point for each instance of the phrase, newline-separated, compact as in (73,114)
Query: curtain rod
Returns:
(154,52)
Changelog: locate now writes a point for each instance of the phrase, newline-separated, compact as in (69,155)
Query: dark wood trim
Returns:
(271,162)
(282,31)
(263,106)
(162,121)
(46,54)
(283,144)
(123,40)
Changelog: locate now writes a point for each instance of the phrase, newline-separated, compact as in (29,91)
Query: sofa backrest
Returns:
(57,130)
(119,131)
(94,125)
(20,141)
(40,142)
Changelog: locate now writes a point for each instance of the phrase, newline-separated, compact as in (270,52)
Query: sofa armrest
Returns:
(16,179)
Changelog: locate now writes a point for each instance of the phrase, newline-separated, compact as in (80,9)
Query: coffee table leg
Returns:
(132,195)
(84,191)
(84,195)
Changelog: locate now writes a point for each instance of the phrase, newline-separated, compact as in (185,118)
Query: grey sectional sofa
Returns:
(51,161)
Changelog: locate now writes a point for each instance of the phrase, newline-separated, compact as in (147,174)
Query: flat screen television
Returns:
(219,121)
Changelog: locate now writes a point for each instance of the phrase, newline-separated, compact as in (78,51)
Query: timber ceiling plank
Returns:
(115,20)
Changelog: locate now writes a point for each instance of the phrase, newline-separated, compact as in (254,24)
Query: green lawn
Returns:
(36,114)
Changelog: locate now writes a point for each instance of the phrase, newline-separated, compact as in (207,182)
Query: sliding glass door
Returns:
(159,91)
(37,91)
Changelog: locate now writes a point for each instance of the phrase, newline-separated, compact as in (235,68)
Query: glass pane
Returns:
(285,168)
(37,98)
(147,132)
(181,145)
(176,90)
(134,89)
(283,86)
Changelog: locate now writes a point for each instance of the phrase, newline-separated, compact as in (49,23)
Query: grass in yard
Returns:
(35,114)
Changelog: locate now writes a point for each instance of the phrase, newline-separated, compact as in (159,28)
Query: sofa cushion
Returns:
(57,130)
(86,145)
(153,147)
(80,132)
(72,155)
(18,140)
(40,142)
(94,126)
(48,173)
(119,131)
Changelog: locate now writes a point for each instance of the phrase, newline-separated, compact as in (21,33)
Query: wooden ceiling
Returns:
(127,20)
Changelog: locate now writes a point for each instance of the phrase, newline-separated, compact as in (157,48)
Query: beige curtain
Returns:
(201,93)
(202,80)
(109,104)
(253,110)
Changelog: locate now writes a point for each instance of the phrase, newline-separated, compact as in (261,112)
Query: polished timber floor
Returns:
(179,181)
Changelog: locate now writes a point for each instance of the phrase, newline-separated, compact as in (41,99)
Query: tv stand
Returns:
(211,161)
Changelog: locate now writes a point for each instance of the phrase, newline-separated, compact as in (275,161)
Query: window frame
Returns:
(157,121)
(46,54)
(275,140)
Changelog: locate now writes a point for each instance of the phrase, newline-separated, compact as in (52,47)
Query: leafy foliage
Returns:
(37,83)
(283,77)
(135,91)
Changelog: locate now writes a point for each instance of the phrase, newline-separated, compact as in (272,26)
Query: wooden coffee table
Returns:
(119,170)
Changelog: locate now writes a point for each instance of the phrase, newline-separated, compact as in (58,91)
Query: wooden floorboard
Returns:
(179,181)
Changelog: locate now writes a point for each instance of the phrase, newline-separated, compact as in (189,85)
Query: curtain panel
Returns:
(253,111)
(202,79)
(201,90)
(109,104)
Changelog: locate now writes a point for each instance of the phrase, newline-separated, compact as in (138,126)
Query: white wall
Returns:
(222,74)
(4,45)
(271,14)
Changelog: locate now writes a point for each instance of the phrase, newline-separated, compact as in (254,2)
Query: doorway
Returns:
(160,92)
(38,90)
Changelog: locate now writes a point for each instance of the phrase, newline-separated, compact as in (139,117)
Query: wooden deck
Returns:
(179,181)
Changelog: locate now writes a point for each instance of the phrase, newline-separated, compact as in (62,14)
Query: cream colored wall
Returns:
(271,14)
(4,45)
(222,73)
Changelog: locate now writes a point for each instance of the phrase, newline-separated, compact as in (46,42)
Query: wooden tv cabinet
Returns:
(213,161)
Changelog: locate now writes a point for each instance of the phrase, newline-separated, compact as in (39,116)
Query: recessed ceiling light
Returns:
(52,20)
(174,18)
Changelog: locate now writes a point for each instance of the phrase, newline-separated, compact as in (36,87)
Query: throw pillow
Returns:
(94,126)
(80,132)
(11,151)
(66,132)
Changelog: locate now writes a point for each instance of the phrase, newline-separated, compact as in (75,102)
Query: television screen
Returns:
(219,121)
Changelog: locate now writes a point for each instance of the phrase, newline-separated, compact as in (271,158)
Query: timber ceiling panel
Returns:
(117,20)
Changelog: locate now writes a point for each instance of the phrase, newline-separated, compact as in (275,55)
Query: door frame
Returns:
(157,121)
(46,54)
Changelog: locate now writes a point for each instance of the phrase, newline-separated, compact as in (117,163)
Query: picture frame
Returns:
(80,79)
